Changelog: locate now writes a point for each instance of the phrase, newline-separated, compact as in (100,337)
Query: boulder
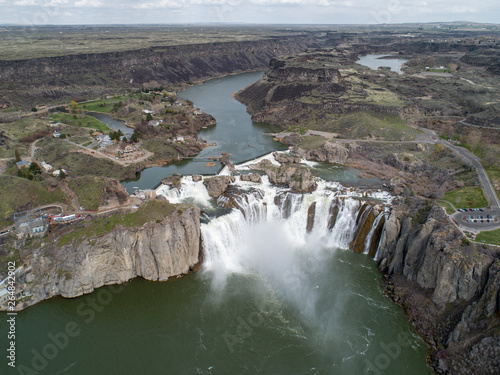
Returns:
(282,158)
(296,177)
(217,185)
(253,177)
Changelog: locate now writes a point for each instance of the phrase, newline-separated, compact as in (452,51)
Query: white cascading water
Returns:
(225,237)
(267,235)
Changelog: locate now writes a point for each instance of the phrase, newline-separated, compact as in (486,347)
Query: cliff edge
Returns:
(156,250)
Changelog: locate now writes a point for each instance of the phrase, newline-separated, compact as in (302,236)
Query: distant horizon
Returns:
(248,24)
(269,12)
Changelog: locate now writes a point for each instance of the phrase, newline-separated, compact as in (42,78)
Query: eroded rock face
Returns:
(296,177)
(433,256)
(336,153)
(282,158)
(449,287)
(173,64)
(253,177)
(279,71)
(217,185)
(155,251)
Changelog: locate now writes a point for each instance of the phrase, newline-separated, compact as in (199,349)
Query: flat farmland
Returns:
(19,43)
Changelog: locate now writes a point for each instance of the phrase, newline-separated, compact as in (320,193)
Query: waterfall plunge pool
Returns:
(271,298)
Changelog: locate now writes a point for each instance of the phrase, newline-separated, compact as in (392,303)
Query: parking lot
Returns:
(477,219)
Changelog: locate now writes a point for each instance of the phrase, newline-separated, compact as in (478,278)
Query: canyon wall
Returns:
(155,251)
(86,75)
(448,286)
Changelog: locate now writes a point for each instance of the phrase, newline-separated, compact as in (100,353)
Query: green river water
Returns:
(328,316)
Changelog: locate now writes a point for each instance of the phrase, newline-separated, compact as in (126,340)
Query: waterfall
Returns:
(332,217)
(369,237)
(281,239)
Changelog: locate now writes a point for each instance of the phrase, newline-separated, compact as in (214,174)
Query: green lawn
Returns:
(492,236)
(153,211)
(106,105)
(447,206)
(467,197)
(19,194)
(83,121)
(494,175)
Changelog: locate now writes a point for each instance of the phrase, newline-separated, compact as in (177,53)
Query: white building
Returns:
(46,167)
(104,140)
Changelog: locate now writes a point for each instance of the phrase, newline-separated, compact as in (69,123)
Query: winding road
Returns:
(429,136)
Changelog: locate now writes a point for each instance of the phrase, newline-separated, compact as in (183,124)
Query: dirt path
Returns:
(99,154)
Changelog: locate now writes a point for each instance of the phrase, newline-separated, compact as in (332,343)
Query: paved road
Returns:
(466,219)
(469,158)
(429,136)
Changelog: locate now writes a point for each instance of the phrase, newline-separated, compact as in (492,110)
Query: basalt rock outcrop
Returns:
(296,177)
(336,153)
(53,79)
(155,251)
(287,79)
(282,158)
(448,286)
(217,185)
(253,177)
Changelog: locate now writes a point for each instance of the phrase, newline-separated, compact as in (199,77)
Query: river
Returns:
(270,298)
(235,131)
(377,61)
(112,123)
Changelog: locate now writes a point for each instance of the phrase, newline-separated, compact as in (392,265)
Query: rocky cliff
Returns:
(87,75)
(448,286)
(155,251)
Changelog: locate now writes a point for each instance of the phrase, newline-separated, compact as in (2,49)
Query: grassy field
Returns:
(153,211)
(311,142)
(106,105)
(19,194)
(447,207)
(161,149)
(492,236)
(89,190)
(467,197)
(11,133)
(47,41)
(82,121)
(362,125)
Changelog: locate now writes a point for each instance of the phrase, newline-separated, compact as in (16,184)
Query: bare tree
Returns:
(473,139)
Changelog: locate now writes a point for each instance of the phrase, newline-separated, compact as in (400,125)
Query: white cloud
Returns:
(158,4)
(266,11)
(26,3)
(463,9)
(88,3)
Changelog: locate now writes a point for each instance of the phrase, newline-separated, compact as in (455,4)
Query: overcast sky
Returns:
(249,11)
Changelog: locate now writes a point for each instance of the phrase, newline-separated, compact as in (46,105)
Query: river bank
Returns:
(292,307)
